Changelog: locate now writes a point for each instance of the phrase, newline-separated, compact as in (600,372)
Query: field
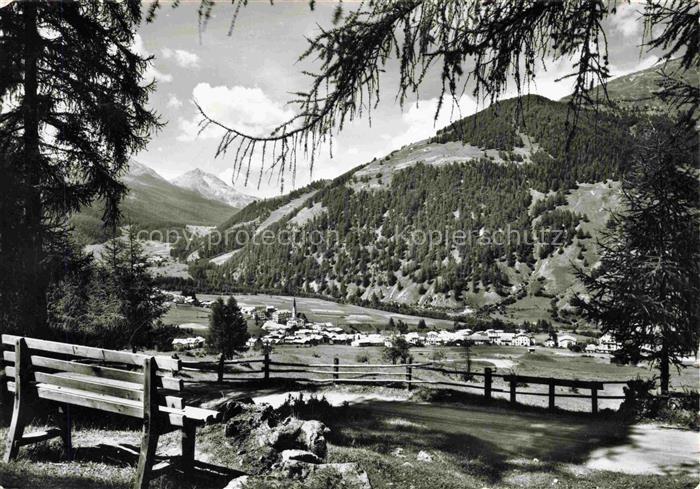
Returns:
(317,310)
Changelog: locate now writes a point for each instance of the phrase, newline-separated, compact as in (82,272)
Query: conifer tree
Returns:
(228,330)
(73,111)
(646,291)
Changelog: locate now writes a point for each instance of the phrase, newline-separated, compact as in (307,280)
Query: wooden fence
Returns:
(407,374)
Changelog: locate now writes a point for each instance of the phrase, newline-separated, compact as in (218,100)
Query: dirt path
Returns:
(599,444)
(652,449)
(335,398)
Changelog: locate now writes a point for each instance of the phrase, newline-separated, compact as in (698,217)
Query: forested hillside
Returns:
(511,205)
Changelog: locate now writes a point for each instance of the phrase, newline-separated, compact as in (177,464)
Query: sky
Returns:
(245,80)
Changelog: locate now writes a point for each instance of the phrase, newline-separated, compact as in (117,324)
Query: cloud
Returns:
(420,123)
(150,73)
(174,102)
(184,59)
(628,20)
(249,110)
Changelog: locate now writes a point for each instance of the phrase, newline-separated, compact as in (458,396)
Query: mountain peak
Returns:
(212,187)
(137,169)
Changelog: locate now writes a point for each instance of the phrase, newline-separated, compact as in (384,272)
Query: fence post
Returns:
(409,373)
(487,382)
(513,385)
(335,368)
(220,370)
(594,400)
(266,367)
(552,386)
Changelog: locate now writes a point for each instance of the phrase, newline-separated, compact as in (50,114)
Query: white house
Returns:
(274,326)
(432,338)
(369,340)
(565,340)
(248,310)
(549,343)
(414,338)
(523,339)
(188,343)
(505,339)
(494,335)
(608,344)
(282,316)
(479,338)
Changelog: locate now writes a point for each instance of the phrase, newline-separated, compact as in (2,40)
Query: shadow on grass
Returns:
(103,465)
(485,437)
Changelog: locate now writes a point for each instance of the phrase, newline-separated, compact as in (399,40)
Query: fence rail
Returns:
(405,374)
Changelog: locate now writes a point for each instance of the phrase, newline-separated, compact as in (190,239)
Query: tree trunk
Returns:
(33,310)
(664,368)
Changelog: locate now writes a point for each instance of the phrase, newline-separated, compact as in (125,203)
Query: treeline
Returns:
(598,150)
(245,221)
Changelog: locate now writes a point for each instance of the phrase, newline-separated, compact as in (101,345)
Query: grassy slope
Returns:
(556,272)
(637,90)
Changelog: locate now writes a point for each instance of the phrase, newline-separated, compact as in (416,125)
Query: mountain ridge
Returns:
(151,203)
(212,187)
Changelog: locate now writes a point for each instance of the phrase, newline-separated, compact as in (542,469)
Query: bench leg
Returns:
(22,398)
(188,436)
(16,431)
(149,444)
(66,428)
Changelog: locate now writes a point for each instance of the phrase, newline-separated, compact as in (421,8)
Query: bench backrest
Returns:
(127,383)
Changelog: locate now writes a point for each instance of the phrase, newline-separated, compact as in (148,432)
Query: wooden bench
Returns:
(119,382)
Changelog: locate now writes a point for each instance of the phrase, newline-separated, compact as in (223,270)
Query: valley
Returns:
(512,210)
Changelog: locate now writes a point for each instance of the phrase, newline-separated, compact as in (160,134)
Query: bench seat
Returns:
(124,383)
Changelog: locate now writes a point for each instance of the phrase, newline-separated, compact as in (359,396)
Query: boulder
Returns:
(353,477)
(424,456)
(300,456)
(257,460)
(313,434)
(238,482)
(235,407)
(295,434)
(307,475)
(249,417)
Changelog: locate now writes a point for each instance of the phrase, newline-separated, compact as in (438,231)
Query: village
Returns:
(291,327)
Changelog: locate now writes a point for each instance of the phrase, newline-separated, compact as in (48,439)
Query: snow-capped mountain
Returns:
(212,187)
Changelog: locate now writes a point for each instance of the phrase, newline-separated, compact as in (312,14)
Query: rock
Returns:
(424,456)
(398,452)
(294,434)
(238,483)
(249,417)
(281,437)
(234,408)
(258,460)
(351,475)
(311,474)
(313,435)
(300,456)
(295,469)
